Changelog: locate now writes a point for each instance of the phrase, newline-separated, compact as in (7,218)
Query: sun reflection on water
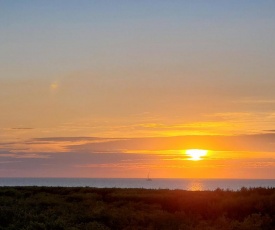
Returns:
(195,186)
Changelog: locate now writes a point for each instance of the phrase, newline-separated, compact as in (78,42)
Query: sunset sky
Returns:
(122,88)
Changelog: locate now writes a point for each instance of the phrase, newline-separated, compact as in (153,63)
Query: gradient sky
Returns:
(123,88)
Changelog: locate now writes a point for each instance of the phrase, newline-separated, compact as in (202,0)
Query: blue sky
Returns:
(105,34)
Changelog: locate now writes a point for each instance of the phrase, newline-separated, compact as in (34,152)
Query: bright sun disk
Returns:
(196,154)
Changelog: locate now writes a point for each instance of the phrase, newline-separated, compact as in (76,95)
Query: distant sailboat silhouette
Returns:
(148,177)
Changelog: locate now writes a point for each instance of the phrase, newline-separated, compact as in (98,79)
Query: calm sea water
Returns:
(185,184)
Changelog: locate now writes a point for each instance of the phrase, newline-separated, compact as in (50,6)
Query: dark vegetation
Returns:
(57,208)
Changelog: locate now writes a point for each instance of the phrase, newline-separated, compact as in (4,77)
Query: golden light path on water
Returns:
(195,186)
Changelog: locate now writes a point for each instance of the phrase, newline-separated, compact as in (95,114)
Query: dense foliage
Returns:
(93,208)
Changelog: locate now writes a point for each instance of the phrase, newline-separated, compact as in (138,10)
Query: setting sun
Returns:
(196,154)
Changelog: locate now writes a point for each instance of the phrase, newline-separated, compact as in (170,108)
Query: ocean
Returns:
(184,184)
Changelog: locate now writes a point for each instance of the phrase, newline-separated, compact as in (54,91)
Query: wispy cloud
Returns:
(64,139)
(22,128)
(248,122)
(256,101)
(270,130)
(8,162)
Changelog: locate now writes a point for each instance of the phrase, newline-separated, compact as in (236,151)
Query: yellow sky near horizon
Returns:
(72,107)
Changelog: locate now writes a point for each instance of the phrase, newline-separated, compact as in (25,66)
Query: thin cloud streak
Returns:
(264,142)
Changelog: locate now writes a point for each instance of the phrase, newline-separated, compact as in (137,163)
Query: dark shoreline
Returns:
(156,183)
(74,208)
